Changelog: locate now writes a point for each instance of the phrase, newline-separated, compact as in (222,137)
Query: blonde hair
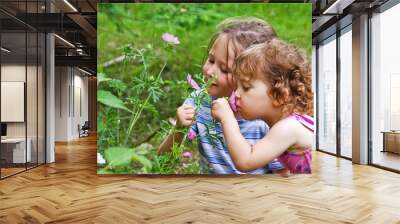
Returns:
(283,67)
(243,32)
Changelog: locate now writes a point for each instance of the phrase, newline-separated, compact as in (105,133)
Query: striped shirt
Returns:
(214,152)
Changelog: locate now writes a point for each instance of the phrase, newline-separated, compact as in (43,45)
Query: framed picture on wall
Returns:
(162,67)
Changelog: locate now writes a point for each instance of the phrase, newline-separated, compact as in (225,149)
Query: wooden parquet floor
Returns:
(10,171)
(70,191)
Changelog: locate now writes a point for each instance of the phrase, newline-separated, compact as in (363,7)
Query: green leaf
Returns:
(118,157)
(143,160)
(101,77)
(104,171)
(144,148)
(107,98)
(117,85)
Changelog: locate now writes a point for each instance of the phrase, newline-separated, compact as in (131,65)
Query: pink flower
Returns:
(169,38)
(232,102)
(187,154)
(191,135)
(192,83)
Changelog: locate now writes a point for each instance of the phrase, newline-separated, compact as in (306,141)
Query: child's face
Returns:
(219,67)
(254,102)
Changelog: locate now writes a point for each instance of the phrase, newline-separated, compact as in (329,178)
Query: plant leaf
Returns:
(105,171)
(143,160)
(107,98)
(101,77)
(118,157)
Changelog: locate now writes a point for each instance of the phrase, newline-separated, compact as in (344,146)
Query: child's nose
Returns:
(210,73)
(237,95)
(206,70)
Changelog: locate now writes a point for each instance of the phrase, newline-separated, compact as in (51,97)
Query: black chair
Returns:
(84,130)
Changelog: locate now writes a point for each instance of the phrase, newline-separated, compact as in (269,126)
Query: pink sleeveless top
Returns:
(294,159)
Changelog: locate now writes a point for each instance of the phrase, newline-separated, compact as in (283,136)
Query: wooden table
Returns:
(391,141)
(13,150)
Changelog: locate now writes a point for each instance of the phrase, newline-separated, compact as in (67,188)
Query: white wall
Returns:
(70,83)
(80,100)
(11,73)
(62,81)
(16,73)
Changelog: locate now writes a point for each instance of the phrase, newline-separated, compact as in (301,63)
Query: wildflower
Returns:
(192,83)
(187,154)
(169,38)
(232,102)
(191,135)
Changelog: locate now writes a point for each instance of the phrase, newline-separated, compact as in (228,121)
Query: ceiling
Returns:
(330,15)
(74,21)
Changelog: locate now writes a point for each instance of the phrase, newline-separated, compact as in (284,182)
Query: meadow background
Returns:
(142,79)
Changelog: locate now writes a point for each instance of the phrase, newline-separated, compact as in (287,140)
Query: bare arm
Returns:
(246,157)
(166,145)
(185,118)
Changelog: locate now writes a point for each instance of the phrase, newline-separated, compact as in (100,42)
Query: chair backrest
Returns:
(86,125)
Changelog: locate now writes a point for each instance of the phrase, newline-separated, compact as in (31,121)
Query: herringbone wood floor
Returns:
(69,191)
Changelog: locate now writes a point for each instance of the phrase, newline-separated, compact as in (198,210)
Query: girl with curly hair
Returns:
(274,84)
(232,37)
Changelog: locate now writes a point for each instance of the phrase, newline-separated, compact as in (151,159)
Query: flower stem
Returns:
(134,120)
(140,110)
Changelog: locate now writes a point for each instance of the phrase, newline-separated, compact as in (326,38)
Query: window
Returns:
(327,95)
(385,88)
(346,92)
(22,76)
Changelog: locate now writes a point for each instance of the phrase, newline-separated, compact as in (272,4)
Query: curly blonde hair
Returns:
(284,68)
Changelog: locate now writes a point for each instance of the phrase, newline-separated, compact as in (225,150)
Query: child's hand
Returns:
(221,109)
(185,115)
